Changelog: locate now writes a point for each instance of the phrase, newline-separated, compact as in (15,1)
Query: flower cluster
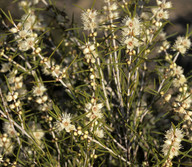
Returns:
(90,21)
(41,97)
(25,37)
(17,89)
(131,31)
(179,78)
(110,11)
(172,143)
(37,132)
(182,44)
(94,111)
(160,12)
(50,67)
(6,144)
(89,52)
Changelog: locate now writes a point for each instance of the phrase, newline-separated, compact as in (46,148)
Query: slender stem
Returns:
(15,63)
(111,60)
(103,85)
(57,146)
(20,128)
(119,145)
(54,73)
(158,91)
(116,63)
(45,2)
(102,79)
(111,151)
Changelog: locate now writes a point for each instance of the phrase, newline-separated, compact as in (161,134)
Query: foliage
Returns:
(108,92)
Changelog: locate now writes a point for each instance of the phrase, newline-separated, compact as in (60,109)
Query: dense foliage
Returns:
(107,92)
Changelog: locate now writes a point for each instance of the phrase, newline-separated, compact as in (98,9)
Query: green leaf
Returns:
(8,17)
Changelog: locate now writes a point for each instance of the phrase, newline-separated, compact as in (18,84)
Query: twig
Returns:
(158,91)
(103,85)
(56,143)
(12,61)
(102,79)
(116,64)
(60,80)
(111,151)
(20,128)
(45,2)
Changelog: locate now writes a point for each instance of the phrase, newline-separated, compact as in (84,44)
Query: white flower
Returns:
(23,34)
(99,132)
(172,142)
(160,13)
(131,26)
(184,99)
(89,52)
(163,4)
(64,123)
(186,43)
(64,72)
(38,133)
(13,30)
(113,6)
(131,43)
(91,57)
(89,19)
(179,81)
(23,3)
(131,23)
(5,67)
(94,110)
(9,97)
(177,70)
(182,44)
(19,85)
(12,96)
(9,129)
(6,143)
(30,41)
(23,45)
(113,15)
(29,18)
(39,90)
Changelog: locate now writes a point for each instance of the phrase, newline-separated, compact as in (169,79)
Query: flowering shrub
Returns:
(107,92)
